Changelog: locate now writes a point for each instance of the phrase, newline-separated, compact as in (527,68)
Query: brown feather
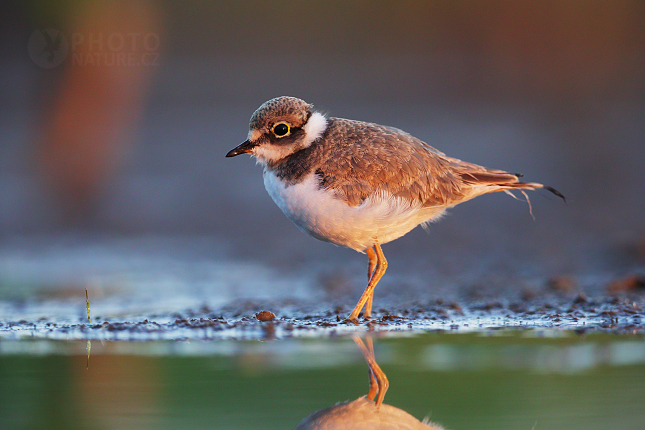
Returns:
(369,158)
(366,159)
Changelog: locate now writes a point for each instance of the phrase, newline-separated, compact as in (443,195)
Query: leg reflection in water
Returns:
(378,380)
(364,412)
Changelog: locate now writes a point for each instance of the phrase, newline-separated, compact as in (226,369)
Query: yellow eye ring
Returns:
(281,129)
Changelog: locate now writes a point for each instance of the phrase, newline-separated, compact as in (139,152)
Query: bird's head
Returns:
(279,128)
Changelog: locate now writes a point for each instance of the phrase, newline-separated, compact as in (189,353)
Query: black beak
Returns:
(244,148)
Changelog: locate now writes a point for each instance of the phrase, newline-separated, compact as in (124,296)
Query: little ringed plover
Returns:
(359,184)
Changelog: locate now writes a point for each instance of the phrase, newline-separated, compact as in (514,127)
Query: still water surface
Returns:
(529,379)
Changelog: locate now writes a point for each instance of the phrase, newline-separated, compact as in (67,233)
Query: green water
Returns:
(462,381)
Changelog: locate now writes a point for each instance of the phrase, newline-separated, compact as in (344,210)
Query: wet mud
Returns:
(262,320)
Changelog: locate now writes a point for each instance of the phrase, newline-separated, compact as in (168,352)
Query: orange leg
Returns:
(370,272)
(378,380)
(371,264)
(374,384)
(379,270)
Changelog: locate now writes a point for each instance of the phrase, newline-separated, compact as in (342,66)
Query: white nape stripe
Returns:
(314,128)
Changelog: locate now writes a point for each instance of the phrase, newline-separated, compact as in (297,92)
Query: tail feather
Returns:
(500,180)
(556,192)
(521,186)
(489,177)
(535,185)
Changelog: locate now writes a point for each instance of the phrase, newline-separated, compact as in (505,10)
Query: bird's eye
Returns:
(281,129)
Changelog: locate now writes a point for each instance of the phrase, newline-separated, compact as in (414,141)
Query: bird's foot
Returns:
(353,321)
(356,321)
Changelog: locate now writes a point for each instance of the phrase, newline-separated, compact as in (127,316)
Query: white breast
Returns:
(380,218)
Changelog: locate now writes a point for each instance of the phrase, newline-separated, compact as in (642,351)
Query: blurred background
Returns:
(116,116)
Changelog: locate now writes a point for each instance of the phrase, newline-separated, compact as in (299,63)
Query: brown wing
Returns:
(369,158)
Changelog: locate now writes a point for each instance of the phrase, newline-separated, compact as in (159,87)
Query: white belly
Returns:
(381,218)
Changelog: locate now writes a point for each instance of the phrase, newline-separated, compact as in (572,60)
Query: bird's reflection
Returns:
(365,412)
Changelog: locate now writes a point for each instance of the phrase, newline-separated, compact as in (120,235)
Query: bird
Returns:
(358,184)
(51,45)
(365,413)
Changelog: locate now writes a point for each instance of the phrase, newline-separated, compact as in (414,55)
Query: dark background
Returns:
(552,89)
